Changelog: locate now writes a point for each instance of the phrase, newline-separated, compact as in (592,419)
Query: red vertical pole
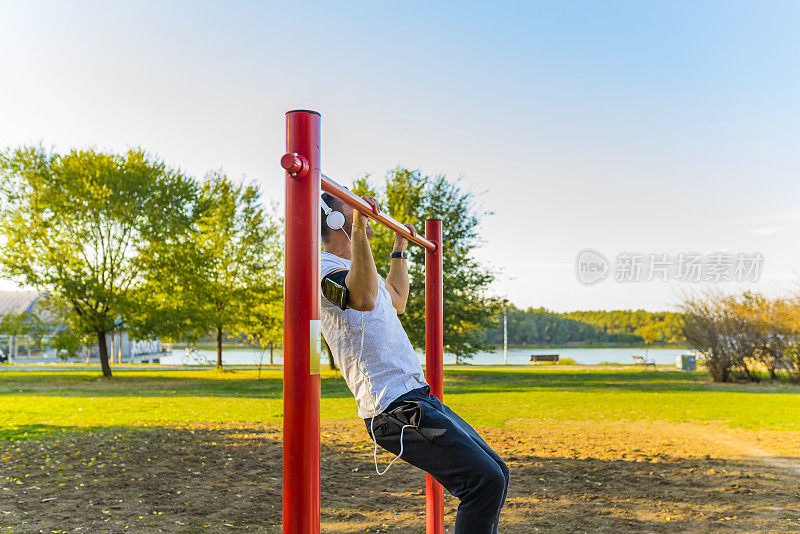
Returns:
(434,354)
(301,380)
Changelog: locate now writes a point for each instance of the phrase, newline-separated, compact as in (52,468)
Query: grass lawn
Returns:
(606,449)
(42,402)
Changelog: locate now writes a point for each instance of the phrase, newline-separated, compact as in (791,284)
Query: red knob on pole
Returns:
(294,163)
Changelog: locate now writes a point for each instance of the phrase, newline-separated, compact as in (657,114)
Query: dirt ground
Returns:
(565,477)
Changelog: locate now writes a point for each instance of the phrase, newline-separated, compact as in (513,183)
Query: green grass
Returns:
(39,403)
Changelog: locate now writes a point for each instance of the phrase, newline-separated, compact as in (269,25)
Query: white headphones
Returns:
(334,219)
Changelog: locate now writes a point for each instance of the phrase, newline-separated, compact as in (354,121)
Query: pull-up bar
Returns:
(361,205)
(294,164)
(302,342)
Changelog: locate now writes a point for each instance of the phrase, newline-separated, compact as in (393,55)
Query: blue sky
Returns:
(649,127)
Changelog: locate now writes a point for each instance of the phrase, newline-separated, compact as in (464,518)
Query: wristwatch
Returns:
(403,255)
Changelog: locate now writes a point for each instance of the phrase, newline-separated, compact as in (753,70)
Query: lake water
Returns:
(516,356)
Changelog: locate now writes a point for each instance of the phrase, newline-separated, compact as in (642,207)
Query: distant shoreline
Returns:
(675,346)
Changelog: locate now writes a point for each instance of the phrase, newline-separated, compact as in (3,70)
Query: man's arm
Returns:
(397,281)
(362,280)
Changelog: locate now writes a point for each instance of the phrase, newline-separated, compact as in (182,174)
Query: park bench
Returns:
(537,358)
(641,360)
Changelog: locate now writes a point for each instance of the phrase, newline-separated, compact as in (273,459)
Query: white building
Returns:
(15,302)
(121,349)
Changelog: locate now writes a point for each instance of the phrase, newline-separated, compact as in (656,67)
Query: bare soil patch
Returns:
(565,477)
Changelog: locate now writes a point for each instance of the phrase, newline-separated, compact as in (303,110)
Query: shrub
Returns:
(566,361)
(742,335)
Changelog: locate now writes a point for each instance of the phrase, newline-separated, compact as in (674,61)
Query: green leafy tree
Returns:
(85,227)
(650,333)
(24,324)
(263,323)
(51,322)
(173,307)
(62,327)
(411,197)
(224,278)
(327,349)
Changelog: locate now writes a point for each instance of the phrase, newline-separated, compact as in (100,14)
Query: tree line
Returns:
(123,241)
(539,326)
(126,242)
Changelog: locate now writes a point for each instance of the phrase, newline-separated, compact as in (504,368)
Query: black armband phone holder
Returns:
(335,289)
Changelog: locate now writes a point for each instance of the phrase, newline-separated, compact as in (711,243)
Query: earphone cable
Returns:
(375,410)
(359,364)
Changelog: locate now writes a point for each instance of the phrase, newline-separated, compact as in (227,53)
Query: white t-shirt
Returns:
(389,366)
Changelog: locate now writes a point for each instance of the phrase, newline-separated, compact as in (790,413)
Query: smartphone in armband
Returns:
(336,290)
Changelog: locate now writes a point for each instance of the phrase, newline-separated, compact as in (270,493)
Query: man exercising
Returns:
(381,368)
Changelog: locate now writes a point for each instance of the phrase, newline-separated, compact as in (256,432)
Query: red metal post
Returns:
(301,380)
(434,354)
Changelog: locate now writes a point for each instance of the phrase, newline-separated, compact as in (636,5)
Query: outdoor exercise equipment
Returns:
(302,342)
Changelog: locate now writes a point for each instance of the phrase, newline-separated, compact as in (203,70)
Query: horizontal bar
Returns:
(358,203)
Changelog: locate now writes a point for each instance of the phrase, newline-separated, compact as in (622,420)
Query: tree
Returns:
(411,197)
(85,227)
(224,278)
(61,327)
(24,324)
(327,349)
(263,323)
(650,333)
(742,334)
(704,331)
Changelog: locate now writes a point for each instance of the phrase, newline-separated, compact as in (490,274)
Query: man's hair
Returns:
(333,203)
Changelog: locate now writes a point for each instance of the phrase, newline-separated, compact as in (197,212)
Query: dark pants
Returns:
(446,447)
